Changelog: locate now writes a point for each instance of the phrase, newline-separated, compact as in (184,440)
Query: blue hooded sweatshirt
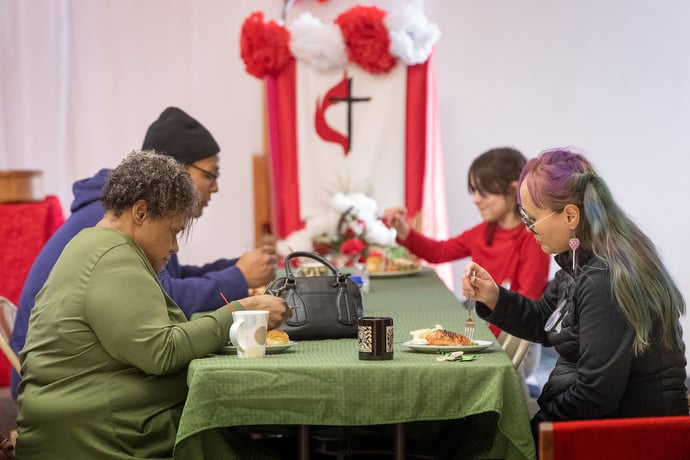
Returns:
(193,288)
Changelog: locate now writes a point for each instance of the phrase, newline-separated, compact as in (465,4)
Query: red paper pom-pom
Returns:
(264,46)
(366,38)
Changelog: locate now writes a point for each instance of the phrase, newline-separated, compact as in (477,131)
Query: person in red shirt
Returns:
(500,244)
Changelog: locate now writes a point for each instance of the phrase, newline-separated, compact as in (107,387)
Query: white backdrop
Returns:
(81,80)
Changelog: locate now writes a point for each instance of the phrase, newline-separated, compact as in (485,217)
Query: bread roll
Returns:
(277,337)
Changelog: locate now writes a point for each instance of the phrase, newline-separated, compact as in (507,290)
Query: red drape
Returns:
(415,137)
(24,229)
(283,142)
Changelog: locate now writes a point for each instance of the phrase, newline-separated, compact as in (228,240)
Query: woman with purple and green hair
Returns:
(612,310)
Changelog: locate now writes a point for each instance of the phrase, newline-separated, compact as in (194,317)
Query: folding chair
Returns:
(8,313)
(515,348)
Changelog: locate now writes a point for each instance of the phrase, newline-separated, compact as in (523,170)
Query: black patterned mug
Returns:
(375,337)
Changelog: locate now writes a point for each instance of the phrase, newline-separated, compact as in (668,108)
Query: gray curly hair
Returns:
(158,179)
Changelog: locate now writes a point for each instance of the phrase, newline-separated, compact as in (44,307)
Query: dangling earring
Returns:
(574,243)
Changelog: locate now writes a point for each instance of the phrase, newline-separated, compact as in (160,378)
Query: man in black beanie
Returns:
(193,288)
(182,137)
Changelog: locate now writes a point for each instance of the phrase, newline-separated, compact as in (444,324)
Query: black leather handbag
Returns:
(323,307)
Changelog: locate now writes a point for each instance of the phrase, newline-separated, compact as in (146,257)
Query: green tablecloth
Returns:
(324,383)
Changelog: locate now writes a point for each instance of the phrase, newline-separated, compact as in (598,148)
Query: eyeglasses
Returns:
(210,177)
(529,222)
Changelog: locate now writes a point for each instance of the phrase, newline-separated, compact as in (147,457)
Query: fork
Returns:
(469,323)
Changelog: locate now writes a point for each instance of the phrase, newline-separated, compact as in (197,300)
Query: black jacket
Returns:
(596,375)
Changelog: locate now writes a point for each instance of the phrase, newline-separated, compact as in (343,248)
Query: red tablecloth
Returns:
(24,229)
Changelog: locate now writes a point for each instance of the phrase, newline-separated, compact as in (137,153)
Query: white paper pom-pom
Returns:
(319,45)
(412,35)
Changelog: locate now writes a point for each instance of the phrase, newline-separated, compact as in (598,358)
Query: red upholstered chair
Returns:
(659,438)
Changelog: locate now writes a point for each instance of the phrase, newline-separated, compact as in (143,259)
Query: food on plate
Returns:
(277,337)
(401,264)
(444,337)
(419,336)
(374,263)
(438,335)
(313,269)
(391,259)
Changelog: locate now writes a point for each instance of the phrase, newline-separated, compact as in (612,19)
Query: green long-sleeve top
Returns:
(104,365)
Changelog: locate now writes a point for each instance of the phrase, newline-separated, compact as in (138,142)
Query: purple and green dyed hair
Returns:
(640,283)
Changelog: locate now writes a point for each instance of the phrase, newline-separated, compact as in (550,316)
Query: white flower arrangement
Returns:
(350,216)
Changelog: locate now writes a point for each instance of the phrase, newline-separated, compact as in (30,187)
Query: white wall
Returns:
(612,78)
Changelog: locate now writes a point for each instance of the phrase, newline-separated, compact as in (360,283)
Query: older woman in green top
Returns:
(104,366)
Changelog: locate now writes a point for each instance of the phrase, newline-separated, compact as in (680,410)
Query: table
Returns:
(327,375)
(24,229)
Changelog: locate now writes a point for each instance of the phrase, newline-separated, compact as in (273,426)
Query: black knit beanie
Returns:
(182,137)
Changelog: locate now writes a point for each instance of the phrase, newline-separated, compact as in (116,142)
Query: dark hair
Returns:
(493,172)
(158,179)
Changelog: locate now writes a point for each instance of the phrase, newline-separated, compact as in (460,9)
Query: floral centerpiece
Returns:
(349,232)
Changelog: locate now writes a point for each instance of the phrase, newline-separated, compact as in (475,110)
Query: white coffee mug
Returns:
(248,333)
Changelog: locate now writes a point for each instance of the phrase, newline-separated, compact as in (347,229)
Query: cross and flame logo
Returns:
(341,92)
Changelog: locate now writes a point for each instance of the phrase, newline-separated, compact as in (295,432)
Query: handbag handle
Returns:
(311,255)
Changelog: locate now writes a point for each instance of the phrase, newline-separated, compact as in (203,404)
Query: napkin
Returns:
(456,356)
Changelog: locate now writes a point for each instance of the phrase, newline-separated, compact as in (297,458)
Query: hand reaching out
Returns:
(258,266)
(396,218)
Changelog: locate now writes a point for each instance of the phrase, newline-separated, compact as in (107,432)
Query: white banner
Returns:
(350,136)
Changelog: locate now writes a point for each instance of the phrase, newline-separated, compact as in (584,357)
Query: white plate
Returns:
(394,274)
(426,348)
(270,349)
